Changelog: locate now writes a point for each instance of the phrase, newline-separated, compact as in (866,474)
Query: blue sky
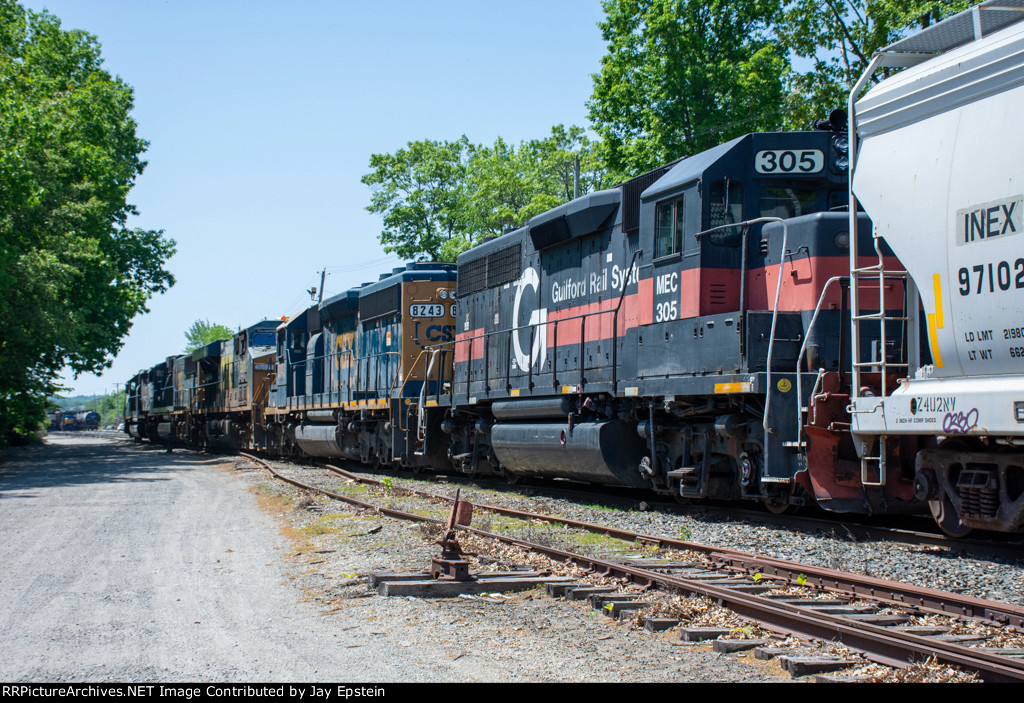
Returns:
(262,116)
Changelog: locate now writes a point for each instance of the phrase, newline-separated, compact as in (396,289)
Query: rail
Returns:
(879,643)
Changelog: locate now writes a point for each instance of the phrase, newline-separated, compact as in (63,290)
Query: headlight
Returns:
(842,145)
(842,163)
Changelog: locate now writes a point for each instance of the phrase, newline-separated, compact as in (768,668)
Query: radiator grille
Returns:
(383,302)
(495,269)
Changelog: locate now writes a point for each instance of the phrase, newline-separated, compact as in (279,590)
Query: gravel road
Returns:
(124,563)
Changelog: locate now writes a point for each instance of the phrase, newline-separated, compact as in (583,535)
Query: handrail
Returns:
(803,350)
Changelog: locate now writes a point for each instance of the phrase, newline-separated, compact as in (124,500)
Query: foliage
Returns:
(418,191)
(681,76)
(72,273)
(685,532)
(507,186)
(109,406)
(840,36)
(202,332)
(439,198)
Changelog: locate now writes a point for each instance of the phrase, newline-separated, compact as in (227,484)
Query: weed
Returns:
(317,528)
(685,532)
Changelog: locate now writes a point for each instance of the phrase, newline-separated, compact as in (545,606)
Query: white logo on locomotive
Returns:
(538,318)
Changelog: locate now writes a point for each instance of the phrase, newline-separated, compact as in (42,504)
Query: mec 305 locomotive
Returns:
(727,326)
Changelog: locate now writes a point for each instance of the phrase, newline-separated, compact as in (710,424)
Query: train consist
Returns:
(69,421)
(724,327)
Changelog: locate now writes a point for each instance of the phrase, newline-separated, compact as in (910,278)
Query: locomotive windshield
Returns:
(726,207)
(787,202)
(263,339)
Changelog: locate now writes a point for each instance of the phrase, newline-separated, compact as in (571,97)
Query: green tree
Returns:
(418,191)
(73,275)
(681,76)
(438,199)
(839,37)
(202,332)
(506,186)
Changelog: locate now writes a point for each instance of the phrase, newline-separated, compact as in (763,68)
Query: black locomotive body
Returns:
(683,332)
(634,337)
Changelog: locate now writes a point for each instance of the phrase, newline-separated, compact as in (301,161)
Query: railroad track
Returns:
(921,535)
(739,581)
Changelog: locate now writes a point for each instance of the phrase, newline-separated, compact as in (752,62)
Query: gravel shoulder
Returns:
(125,563)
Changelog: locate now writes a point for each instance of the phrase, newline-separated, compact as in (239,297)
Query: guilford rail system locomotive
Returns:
(749,323)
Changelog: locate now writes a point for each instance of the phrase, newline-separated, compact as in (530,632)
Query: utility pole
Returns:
(313,291)
(576,177)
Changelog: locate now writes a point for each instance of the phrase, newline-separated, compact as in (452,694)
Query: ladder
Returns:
(873,460)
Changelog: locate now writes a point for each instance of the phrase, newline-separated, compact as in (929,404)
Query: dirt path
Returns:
(121,563)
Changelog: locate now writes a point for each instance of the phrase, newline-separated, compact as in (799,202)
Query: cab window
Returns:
(726,207)
(787,202)
(669,232)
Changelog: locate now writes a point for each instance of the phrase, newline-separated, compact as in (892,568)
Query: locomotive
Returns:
(60,420)
(729,326)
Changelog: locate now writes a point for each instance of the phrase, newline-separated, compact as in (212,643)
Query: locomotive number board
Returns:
(789,161)
(426,310)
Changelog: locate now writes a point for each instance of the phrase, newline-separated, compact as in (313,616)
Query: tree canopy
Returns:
(202,332)
(839,38)
(681,76)
(438,198)
(73,275)
(418,190)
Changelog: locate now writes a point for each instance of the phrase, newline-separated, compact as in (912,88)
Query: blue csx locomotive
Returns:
(637,336)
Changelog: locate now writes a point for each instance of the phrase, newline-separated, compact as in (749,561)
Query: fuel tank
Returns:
(326,440)
(598,452)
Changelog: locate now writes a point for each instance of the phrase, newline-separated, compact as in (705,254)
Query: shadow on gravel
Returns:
(68,464)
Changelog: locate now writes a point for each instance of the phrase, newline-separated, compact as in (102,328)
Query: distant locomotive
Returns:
(724,327)
(64,421)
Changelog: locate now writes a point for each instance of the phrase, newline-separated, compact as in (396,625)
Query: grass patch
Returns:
(323,525)
(317,528)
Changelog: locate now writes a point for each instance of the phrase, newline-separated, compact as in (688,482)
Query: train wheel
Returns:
(777,506)
(511,478)
(947,519)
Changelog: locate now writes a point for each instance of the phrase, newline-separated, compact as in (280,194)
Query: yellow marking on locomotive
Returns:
(741,387)
(430,403)
(933,337)
(936,322)
(514,392)
(568,389)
